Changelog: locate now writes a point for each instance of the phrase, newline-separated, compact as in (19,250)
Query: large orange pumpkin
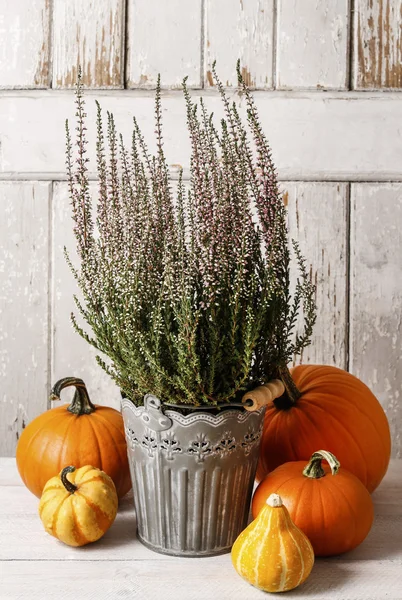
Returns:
(329,504)
(326,407)
(80,434)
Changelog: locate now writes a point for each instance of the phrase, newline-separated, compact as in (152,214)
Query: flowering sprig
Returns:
(187,291)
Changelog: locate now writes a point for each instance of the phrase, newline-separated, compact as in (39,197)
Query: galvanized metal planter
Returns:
(192,475)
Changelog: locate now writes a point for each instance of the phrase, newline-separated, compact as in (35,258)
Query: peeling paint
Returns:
(247,77)
(90,35)
(41,77)
(376,296)
(241,30)
(24,48)
(320,229)
(312,44)
(164,37)
(379,44)
(143,80)
(24,307)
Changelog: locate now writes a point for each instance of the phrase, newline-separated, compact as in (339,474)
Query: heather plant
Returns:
(186,286)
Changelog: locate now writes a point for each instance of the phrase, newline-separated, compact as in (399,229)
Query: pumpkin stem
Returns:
(292,393)
(314,468)
(81,404)
(70,487)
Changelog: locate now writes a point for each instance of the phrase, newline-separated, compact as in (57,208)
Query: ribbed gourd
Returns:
(78,510)
(272,553)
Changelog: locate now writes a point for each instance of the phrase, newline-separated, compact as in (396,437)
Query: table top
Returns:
(35,565)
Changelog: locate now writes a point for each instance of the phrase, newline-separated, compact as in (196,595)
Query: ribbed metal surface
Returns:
(193,480)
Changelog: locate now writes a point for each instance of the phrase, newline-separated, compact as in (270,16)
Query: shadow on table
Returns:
(325,577)
(126,504)
(384,540)
(123,530)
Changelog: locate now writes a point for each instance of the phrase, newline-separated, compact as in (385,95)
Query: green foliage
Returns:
(186,290)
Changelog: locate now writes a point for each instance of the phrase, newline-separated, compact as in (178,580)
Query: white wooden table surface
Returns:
(36,566)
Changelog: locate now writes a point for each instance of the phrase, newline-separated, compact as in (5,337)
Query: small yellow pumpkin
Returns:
(81,509)
(272,553)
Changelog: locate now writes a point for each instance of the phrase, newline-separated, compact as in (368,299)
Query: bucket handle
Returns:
(263,395)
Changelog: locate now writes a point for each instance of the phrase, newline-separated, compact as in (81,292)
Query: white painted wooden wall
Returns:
(328,79)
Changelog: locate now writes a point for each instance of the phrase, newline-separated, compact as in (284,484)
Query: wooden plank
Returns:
(23,307)
(210,578)
(25,539)
(90,34)
(312,41)
(165,38)
(387,497)
(23,536)
(8,472)
(241,29)
(24,49)
(378,44)
(376,296)
(312,135)
(286,175)
(318,221)
(71,355)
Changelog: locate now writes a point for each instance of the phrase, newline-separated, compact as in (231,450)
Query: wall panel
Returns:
(24,270)
(71,355)
(312,44)
(24,43)
(90,34)
(378,44)
(323,145)
(165,38)
(239,29)
(376,296)
(314,136)
(318,222)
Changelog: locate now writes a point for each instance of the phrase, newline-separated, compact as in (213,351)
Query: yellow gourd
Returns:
(272,553)
(81,509)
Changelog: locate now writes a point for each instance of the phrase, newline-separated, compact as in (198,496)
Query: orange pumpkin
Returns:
(335,511)
(80,434)
(326,407)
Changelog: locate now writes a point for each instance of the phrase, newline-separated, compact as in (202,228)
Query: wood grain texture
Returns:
(239,29)
(312,135)
(24,47)
(146,580)
(71,355)
(376,296)
(163,37)
(24,210)
(26,539)
(35,566)
(312,40)
(317,215)
(90,34)
(378,44)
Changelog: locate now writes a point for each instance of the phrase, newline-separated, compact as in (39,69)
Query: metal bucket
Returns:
(192,475)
